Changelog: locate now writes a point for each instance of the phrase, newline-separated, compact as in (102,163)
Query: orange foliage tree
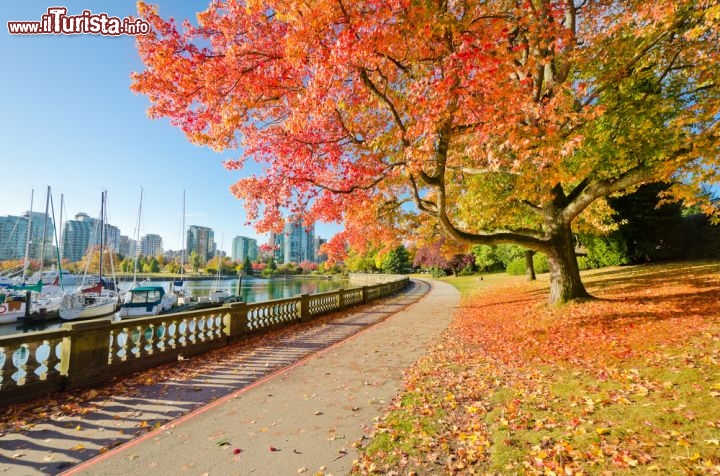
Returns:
(496,121)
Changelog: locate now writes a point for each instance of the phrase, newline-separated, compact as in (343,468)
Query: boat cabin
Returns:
(144,301)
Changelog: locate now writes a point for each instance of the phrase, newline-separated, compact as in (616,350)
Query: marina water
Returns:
(252,290)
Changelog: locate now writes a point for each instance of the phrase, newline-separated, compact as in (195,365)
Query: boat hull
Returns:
(99,308)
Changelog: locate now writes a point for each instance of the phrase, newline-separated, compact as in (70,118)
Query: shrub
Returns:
(436,272)
(540,262)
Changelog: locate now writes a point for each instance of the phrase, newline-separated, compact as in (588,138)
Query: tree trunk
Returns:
(565,282)
(529,265)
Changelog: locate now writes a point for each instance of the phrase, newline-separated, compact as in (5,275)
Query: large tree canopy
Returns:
(500,121)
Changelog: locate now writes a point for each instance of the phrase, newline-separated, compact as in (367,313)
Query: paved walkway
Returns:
(303,418)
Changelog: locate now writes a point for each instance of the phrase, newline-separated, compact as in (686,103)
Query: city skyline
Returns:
(78,233)
(71,122)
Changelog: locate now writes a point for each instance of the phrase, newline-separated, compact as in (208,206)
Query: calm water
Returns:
(253,290)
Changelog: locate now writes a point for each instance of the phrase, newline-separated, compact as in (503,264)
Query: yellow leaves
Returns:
(78,447)
(602,431)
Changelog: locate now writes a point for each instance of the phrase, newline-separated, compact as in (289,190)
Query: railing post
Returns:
(364,294)
(86,353)
(341,298)
(235,319)
(304,307)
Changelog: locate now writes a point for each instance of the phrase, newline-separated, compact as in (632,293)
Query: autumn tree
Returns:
(501,121)
(196,261)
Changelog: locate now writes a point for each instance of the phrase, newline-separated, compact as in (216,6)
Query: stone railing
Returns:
(87,353)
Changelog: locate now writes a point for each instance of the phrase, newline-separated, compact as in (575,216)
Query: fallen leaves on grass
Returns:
(618,383)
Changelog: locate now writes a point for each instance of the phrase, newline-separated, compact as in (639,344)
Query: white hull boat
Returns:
(86,306)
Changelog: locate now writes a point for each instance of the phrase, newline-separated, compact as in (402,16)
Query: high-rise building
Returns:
(299,241)
(84,231)
(14,236)
(319,257)
(151,245)
(124,248)
(243,247)
(277,242)
(201,240)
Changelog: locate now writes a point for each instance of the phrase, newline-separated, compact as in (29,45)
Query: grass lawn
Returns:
(628,383)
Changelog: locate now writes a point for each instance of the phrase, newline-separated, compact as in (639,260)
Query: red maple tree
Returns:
(498,121)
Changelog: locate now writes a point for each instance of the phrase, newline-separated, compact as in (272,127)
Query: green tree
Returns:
(397,261)
(196,261)
(357,262)
(154,265)
(247,266)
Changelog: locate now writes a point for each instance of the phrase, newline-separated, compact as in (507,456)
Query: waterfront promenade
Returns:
(292,401)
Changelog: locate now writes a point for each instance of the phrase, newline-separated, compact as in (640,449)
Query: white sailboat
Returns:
(217,294)
(183,294)
(94,301)
(146,300)
(20,300)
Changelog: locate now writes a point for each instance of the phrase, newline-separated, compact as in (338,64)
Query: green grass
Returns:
(468,285)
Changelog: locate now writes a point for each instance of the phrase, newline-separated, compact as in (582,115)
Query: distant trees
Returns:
(247,267)
(308,266)
(652,230)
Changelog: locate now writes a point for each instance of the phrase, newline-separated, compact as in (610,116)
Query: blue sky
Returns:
(70,121)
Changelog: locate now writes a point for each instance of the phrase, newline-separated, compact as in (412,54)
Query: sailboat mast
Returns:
(183,239)
(102,232)
(26,262)
(57,243)
(45,224)
(137,238)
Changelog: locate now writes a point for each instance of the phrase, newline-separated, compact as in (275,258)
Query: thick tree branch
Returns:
(595,190)
(370,85)
(423,205)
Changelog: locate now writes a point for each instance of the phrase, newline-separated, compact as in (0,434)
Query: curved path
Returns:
(303,417)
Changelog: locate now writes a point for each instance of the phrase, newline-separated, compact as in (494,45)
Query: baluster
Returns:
(184,332)
(31,364)
(216,326)
(200,329)
(194,330)
(23,355)
(136,338)
(7,370)
(210,327)
(219,327)
(172,334)
(125,346)
(113,347)
(53,360)
(162,340)
(148,338)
